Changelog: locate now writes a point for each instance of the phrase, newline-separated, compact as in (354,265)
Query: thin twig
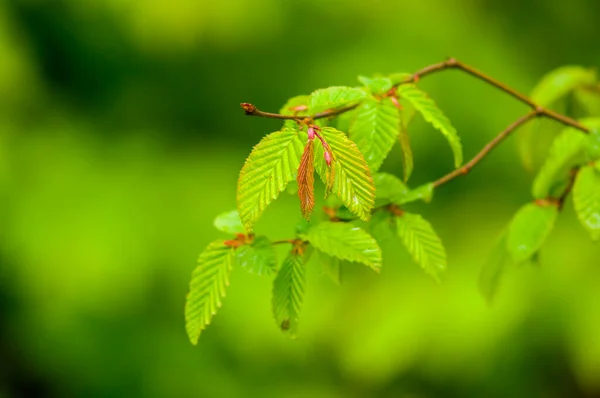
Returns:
(251,110)
(563,198)
(283,241)
(486,149)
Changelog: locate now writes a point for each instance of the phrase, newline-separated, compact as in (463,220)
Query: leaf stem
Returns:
(283,241)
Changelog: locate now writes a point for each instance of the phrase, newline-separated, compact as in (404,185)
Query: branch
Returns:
(251,110)
(563,198)
(487,149)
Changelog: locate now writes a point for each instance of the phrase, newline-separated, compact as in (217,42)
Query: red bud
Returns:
(311,133)
(396,102)
(328,158)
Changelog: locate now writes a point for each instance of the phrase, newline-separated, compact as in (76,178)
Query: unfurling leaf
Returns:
(259,257)
(334,97)
(388,189)
(432,114)
(348,176)
(271,165)
(229,222)
(586,198)
(331,267)
(407,154)
(207,287)
(306,180)
(529,229)
(491,273)
(375,130)
(288,293)
(346,242)
(376,85)
(422,243)
(567,151)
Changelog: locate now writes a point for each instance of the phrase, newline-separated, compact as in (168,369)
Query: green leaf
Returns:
(423,244)
(207,287)
(388,189)
(586,198)
(375,130)
(348,176)
(346,242)
(592,143)
(259,257)
(295,106)
(229,222)
(529,229)
(566,152)
(270,166)
(331,267)
(397,78)
(334,97)
(432,114)
(491,273)
(589,98)
(288,293)
(376,85)
(560,82)
(383,226)
(423,192)
(407,154)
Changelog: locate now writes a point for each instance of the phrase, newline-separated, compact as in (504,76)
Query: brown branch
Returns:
(487,149)
(563,198)
(251,110)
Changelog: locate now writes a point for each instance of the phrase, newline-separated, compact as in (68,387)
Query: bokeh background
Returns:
(121,138)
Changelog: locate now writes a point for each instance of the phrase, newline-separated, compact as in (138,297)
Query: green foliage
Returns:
(288,293)
(422,243)
(404,140)
(207,287)
(229,222)
(375,130)
(334,97)
(346,242)
(586,199)
(259,257)
(352,182)
(331,267)
(491,273)
(270,166)
(529,229)
(376,85)
(432,114)
(388,189)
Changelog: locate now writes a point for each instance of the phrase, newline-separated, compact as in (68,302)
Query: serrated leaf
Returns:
(491,273)
(586,199)
(529,229)
(306,180)
(375,130)
(207,288)
(346,242)
(388,189)
(288,293)
(331,267)
(376,85)
(432,114)
(560,82)
(229,222)
(271,165)
(407,154)
(258,258)
(566,152)
(334,97)
(422,242)
(348,176)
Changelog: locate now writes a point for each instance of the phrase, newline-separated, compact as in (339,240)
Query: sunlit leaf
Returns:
(259,257)
(229,222)
(376,85)
(334,97)
(491,273)
(407,154)
(348,176)
(422,242)
(432,114)
(295,106)
(375,130)
(560,82)
(346,242)
(529,229)
(207,288)
(397,78)
(271,165)
(388,189)
(306,180)
(586,198)
(288,293)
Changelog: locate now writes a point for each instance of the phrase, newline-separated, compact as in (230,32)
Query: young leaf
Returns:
(529,229)
(331,267)
(407,154)
(348,176)
(397,78)
(288,293)
(207,287)
(257,258)
(433,115)
(346,242)
(270,166)
(376,85)
(334,97)
(560,82)
(422,243)
(375,130)
(423,192)
(592,144)
(295,106)
(491,273)
(306,180)
(388,189)
(229,222)
(566,151)
(586,198)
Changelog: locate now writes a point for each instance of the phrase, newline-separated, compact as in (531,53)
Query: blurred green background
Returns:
(121,138)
